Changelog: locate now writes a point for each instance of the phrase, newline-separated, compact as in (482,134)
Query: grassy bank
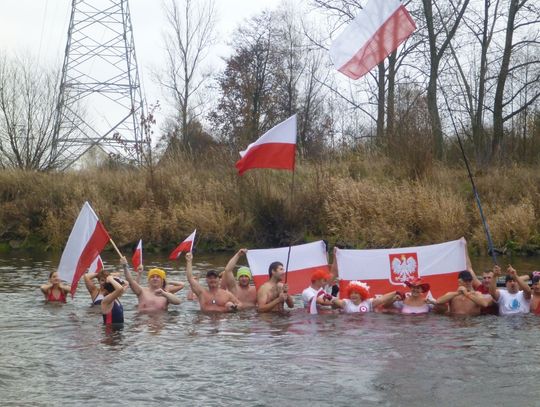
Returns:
(359,201)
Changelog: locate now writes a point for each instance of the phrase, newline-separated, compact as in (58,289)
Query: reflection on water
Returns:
(52,354)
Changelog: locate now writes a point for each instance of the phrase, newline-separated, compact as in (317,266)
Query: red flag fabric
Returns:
(274,149)
(185,246)
(136,260)
(304,260)
(386,270)
(379,28)
(86,240)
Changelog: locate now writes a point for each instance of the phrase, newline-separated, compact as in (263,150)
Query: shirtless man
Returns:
(272,295)
(464,301)
(535,298)
(213,299)
(154,297)
(246,293)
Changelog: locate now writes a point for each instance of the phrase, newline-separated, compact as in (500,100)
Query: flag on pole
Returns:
(86,240)
(387,270)
(185,246)
(304,260)
(96,266)
(274,149)
(379,28)
(136,259)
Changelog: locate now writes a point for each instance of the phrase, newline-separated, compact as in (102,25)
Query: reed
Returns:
(355,199)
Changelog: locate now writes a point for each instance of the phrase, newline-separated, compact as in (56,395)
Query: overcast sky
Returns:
(39,27)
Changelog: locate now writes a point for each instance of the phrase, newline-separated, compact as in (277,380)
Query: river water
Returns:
(53,354)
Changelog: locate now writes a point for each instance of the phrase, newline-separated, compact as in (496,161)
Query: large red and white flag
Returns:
(274,149)
(379,28)
(96,266)
(304,260)
(386,270)
(86,241)
(136,259)
(185,246)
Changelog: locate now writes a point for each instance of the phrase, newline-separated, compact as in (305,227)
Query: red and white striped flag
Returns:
(96,266)
(304,260)
(136,260)
(386,270)
(185,246)
(379,28)
(86,240)
(274,149)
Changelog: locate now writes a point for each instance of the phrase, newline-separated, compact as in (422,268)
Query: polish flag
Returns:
(185,246)
(136,260)
(96,266)
(87,239)
(304,260)
(379,28)
(386,270)
(274,149)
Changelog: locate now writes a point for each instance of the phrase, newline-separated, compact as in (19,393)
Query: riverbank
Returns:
(354,201)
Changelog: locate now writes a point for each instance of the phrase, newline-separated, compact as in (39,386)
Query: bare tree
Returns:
(189,36)
(27,110)
(523,18)
(441,24)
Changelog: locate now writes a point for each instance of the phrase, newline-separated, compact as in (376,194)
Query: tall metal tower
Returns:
(99,101)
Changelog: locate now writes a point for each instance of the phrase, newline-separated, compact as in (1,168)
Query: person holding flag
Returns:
(273,295)
(240,287)
(213,298)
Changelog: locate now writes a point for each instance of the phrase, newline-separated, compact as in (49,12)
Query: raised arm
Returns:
(195,286)
(174,286)
(45,289)
(140,269)
(475,281)
(493,284)
(520,282)
(90,286)
(106,303)
(135,286)
(228,276)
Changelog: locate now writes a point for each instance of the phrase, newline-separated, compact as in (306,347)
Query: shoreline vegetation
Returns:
(360,200)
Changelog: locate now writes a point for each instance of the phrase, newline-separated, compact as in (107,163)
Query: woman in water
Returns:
(358,299)
(111,308)
(415,302)
(54,290)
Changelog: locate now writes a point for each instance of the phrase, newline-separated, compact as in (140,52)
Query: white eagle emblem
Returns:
(403,267)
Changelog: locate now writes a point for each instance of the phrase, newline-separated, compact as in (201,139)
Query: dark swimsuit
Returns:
(115,315)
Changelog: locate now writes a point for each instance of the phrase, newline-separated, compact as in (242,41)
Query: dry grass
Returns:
(359,199)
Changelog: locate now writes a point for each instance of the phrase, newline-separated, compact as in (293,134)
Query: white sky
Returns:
(39,28)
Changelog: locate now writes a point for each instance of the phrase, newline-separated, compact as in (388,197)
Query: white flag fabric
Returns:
(96,266)
(86,241)
(185,246)
(379,28)
(304,260)
(387,270)
(274,149)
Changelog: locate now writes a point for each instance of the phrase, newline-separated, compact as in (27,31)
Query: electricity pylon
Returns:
(100,100)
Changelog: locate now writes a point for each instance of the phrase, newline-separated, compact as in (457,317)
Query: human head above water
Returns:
(273,267)
(358,287)
(465,276)
(243,271)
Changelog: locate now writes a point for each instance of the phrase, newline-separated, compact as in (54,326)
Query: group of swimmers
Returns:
(227,292)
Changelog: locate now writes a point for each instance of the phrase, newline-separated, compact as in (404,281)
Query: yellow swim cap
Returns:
(157,272)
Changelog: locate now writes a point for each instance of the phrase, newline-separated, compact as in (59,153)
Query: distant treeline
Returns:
(361,200)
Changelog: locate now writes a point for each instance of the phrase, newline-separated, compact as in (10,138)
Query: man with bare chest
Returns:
(240,287)
(154,297)
(273,295)
(213,299)
(464,301)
